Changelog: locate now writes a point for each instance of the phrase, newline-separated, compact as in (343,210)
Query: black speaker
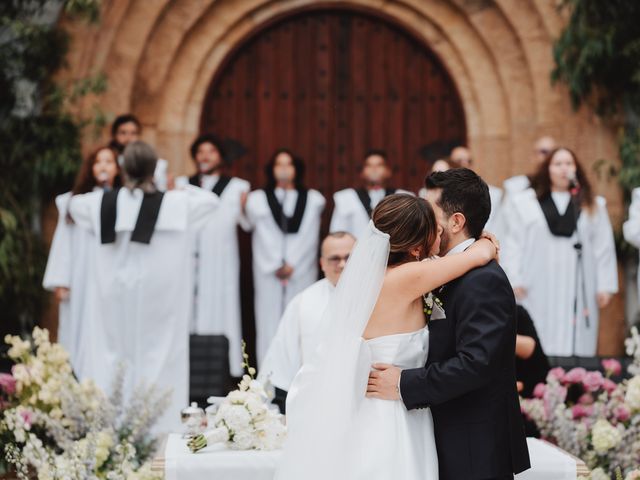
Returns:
(209,367)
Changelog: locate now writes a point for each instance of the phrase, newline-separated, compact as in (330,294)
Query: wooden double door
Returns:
(330,85)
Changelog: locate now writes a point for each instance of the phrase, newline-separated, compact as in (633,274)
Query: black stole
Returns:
(560,225)
(218,188)
(365,199)
(287,224)
(145,223)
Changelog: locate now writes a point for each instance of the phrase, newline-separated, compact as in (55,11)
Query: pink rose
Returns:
(580,411)
(557,373)
(612,367)
(622,413)
(538,391)
(27,416)
(575,375)
(7,383)
(593,381)
(609,385)
(586,399)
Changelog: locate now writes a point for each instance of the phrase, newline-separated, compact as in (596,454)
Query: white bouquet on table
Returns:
(244,420)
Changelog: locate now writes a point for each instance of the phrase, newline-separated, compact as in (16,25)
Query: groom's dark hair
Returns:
(465,192)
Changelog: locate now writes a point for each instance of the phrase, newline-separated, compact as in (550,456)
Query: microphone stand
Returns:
(284,225)
(579,277)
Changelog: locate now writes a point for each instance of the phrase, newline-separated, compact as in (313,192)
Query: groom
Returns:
(469,379)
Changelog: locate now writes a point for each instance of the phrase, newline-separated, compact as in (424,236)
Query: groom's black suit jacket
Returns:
(469,380)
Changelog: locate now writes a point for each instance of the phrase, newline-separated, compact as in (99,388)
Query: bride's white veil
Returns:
(326,392)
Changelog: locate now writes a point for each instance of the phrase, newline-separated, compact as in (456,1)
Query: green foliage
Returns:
(40,143)
(598,57)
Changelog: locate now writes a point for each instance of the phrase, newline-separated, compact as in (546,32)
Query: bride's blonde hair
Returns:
(410,223)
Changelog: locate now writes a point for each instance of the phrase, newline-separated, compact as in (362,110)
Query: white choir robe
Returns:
(67,267)
(631,228)
(297,336)
(217,302)
(140,296)
(495,222)
(545,265)
(269,245)
(349,215)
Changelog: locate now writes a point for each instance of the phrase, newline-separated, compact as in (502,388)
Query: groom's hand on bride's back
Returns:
(384,382)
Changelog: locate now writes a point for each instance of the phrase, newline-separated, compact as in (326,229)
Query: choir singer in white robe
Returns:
(126,128)
(285,220)
(67,266)
(298,332)
(353,206)
(631,228)
(540,256)
(140,293)
(217,302)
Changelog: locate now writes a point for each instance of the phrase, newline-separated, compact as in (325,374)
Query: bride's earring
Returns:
(418,258)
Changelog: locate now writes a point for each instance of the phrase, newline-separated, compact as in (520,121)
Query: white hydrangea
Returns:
(605,436)
(243,440)
(104,442)
(632,397)
(236,417)
(19,347)
(599,474)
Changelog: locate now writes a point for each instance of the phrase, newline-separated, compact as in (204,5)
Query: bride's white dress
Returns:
(388,441)
(334,431)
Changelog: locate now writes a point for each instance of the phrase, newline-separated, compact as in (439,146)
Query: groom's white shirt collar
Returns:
(462,246)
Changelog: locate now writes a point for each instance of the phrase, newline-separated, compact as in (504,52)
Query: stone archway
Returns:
(160,57)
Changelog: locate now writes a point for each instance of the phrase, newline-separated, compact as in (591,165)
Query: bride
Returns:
(376,315)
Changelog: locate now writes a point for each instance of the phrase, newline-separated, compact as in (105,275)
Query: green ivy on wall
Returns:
(598,57)
(39,143)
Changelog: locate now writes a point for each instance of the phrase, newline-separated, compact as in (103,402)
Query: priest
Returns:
(300,326)
(217,299)
(140,289)
(353,206)
(285,220)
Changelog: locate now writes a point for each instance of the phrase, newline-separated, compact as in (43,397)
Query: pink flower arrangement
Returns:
(612,367)
(591,416)
(609,385)
(7,383)
(575,375)
(586,399)
(593,381)
(622,413)
(538,391)
(581,411)
(558,373)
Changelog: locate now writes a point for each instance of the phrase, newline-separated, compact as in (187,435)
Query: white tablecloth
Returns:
(548,463)
(219,463)
(216,462)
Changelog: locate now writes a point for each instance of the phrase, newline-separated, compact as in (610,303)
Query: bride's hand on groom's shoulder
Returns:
(384,382)
(487,247)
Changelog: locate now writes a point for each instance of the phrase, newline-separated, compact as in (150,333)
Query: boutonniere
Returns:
(431,302)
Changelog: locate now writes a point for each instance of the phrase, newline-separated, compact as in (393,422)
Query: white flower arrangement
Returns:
(244,420)
(56,427)
(592,417)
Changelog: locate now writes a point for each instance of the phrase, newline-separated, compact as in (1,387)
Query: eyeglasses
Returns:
(543,151)
(336,259)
